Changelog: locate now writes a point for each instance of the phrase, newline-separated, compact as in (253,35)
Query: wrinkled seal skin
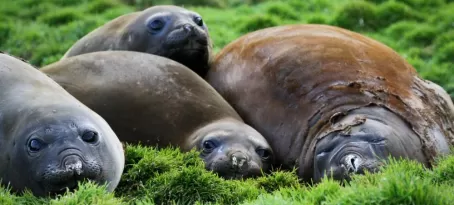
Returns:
(48,139)
(168,31)
(155,101)
(328,99)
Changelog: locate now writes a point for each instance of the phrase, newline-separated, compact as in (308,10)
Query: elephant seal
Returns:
(168,31)
(49,141)
(328,99)
(156,101)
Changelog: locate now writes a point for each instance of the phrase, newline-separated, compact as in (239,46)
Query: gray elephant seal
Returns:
(169,31)
(49,141)
(328,99)
(156,101)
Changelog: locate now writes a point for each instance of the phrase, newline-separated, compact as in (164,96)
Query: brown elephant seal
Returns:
(328,99)
(49,141)
(169,31)
(156,101)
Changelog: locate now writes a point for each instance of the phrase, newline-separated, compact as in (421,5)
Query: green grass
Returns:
(421,31)
(166,176)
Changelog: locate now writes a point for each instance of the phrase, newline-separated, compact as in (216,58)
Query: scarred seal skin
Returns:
(169,31)
(328,99)
(156,101)
(49,141)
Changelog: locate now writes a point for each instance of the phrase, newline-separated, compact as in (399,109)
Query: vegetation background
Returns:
(422,31)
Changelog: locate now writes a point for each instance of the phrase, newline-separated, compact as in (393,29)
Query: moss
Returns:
(377,1)
(236,3)
(277,180)
(209,3)
(443,172)
(112,13)
(188,185)
(443,39)
(65,3)
(391,12)
(399,182)
(60,17)
(139,4)
(34,11)
(443,18)
(5,30)
(282,10)
(357,16)
(446,53)
(257,22)
(424,4)
(417,4)
(163,175)
(142,164)
(88,193)
(317,19)
(424,54)
(100,6)
(317,6)
(397,29)
(422,35)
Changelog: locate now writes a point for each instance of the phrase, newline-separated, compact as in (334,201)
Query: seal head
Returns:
(233,149)
(49,141)
(59,151)
(362,141)
(169,31)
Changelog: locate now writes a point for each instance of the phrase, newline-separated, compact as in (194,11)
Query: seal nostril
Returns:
(239,160)
(74,164)
(352,162)
(188,28)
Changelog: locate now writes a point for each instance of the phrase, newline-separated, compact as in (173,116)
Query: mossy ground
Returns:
(421,31)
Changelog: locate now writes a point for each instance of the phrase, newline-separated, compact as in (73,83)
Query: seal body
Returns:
(155,101)
(328,99)
(49,141)
(168,31)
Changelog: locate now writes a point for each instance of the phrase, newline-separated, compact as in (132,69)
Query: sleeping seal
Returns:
(328,99)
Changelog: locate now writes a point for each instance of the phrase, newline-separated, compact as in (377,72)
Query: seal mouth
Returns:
(62,188)
(71,170)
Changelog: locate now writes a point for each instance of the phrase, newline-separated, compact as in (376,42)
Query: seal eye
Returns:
(208,146)
(198,20)
(263,153)
(90,137)
(35,145)
(156,25)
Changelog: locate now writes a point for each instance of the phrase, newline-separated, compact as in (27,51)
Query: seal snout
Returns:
(188,28)
(188,35)
(352,163)
(73,164)
(239,161)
